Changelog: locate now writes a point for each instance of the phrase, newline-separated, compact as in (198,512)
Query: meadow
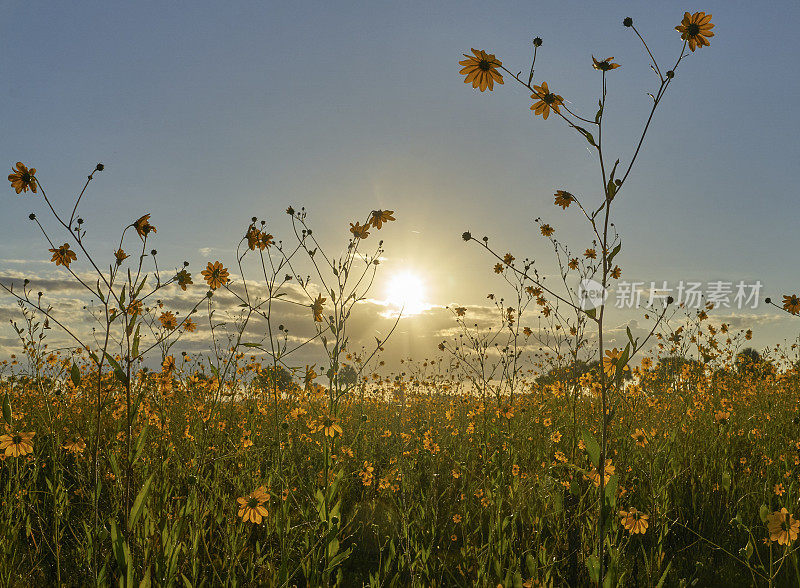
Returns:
(524,451)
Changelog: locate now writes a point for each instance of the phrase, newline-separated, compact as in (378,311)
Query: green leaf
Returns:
(7,409)
(726,481)
(139,444)
(136,510)
(75,374)
(118,371)
(586,134)
(136,339)
(592,447)
(664,575)
(593,565)
(611,490)
(611,189)
(614,253)
(763,512)
(621,363)
(630,336)
(255,345)
(592,312)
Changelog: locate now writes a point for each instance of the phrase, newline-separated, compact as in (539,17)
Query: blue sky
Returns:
(207,114)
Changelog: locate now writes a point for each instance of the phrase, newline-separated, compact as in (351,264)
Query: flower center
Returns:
(693,29)
(252,502)
(484,65)
(549,98)
(17,439)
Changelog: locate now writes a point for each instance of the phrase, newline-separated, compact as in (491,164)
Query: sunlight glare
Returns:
(406,293)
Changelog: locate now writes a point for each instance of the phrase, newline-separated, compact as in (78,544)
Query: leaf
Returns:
(255,345)
(611,490)
(136,510)
(7,409)
(75,374)
(136,339)
(614,253)
(593,565)
(664,575)
(118,371)
(586,134)
(591,312)
(592,447)
(630,336)
(622,362)
(763,512)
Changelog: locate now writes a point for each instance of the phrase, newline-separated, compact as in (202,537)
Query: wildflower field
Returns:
(524,450)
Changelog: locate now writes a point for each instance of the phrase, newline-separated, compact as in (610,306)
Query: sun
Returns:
(406,293)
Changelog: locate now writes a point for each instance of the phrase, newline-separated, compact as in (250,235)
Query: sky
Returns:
(206,115)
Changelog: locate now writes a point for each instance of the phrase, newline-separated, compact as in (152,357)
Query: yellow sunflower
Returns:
(791,304)
(184,279)
(563,198)
(604,64)
(694,29)
(75,446)
(63,255)
(634,521)
(481,69)
(547,100)
(782,527)
(23,178)
(317,308)
(251,507)
(381,216)
(360,231)
(610,361)
(215,275)
(143,226)
(17,444)
(168,320)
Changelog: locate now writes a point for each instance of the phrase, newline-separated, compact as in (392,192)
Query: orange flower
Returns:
(360,231)
(189,326)
(604,64)
(183,278)
(63,255)
(634,521)
(143,226)
(791,304)
(564,198)
(480,68)
(215,275)
(782,527)
(75,446)
(546,101)
(120,256)
(23,178)
(381,216)
(329,425)
(251,507)
(168,320)
(547,230)
(590,254)
(17,444)
(317,308)
(610,361)
(695,28)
